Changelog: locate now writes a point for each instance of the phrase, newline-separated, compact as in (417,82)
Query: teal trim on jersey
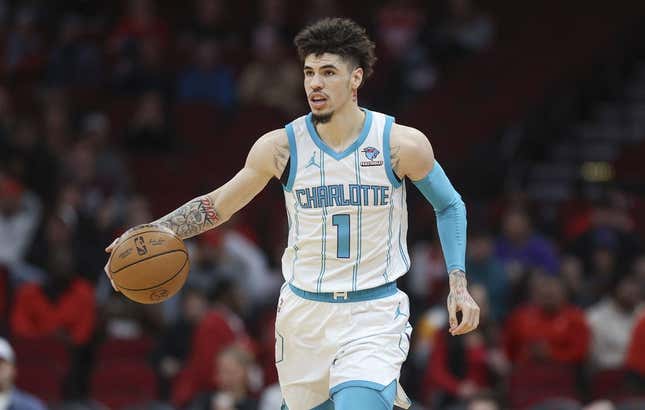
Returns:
(357,264)
(405,259)
(293,155)
(295,245)
(323,256)
(378,292)
(388,257)
(367,124)
(386,152)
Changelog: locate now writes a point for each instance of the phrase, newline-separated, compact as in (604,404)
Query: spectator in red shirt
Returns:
(462,367)
(548,328)
(546,340)
(63,306)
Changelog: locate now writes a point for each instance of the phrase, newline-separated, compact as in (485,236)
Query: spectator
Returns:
(174,344)
(208,79)
(609,224)
(74,61)
(220,327)
(611,322)
(484,268)
(232,372)
(548,327)
(149,131)
(52,309)
(10,396)
(521,249)
(20,212)
(460,368)
(284,91)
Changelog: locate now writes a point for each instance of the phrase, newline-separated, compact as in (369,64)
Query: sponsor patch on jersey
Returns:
(371,154)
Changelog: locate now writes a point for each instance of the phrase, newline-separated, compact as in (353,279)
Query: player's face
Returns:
(330,83)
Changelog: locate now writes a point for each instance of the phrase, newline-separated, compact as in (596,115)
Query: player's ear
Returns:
(357,78)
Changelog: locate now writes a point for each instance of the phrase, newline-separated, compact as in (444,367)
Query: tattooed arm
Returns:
(411,156)
(194,217)
(266,159)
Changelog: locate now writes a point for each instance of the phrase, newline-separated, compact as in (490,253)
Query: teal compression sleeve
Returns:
(451,215)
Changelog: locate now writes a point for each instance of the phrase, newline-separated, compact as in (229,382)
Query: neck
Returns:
(343,128)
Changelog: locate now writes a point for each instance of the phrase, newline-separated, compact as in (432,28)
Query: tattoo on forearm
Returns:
(394,158)
(458,288)
(280,157)
(192,218)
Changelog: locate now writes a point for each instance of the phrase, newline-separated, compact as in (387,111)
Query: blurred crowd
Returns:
(560,309)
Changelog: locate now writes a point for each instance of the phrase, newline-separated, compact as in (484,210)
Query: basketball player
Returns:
(342,330)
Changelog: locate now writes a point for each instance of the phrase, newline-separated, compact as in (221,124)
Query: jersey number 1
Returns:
(341,222)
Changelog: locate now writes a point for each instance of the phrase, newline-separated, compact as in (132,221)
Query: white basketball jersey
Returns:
(347,211)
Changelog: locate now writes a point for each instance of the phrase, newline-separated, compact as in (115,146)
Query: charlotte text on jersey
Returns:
(343,195)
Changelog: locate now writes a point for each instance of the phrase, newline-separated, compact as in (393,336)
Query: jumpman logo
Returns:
(312,161)
(398,312)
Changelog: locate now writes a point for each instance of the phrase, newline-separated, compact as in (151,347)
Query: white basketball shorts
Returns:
(328,341)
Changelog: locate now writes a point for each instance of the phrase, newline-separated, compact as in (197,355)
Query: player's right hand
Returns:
(115,243)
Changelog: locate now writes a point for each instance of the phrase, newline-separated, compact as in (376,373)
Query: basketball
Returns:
(150,264)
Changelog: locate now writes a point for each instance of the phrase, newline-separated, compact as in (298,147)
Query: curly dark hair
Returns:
(340,36)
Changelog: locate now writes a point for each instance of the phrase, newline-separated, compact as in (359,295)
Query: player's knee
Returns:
(364,398)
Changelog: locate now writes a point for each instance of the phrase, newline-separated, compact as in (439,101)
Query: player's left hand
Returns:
(460,300)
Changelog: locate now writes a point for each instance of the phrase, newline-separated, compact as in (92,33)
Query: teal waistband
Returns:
(378,292)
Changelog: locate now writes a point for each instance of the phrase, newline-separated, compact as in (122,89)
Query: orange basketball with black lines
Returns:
(150,264)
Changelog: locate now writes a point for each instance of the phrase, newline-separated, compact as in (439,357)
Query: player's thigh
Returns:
(303,354)
(377,343)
